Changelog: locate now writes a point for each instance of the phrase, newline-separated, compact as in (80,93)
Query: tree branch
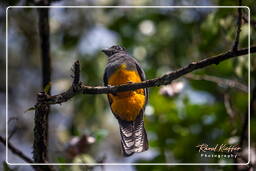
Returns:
(15,150)
(76,73)
(244,131)
(252,22)
(43,27)
(228,107)
(220,81)
(163,80)
(40,130)
(42,111)
(239,20)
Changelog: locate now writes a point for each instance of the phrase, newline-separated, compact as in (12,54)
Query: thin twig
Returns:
(13,131)
(252,22)
(239,20)
(219,81)
(228,106)
(163,80)
(76,73)
(16,150)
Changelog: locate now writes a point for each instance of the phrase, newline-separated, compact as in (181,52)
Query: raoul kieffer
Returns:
(219,148)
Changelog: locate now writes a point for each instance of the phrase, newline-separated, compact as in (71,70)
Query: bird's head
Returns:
(113,50)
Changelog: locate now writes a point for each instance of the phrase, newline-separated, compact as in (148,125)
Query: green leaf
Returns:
(30,109)
(47,88)
(84,158)
(6,167)
(100,134)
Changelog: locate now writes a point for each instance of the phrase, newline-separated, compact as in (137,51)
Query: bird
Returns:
(128,107)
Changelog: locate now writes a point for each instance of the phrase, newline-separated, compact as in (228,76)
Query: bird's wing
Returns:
(105,80)
(143,78)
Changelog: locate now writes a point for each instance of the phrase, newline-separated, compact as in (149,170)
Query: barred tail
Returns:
(133,136)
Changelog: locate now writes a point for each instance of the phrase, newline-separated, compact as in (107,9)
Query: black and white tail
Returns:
(133,136)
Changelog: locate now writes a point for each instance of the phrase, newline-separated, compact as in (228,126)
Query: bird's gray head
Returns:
(113,50)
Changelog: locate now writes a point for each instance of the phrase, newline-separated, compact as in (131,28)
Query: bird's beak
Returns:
(106,51)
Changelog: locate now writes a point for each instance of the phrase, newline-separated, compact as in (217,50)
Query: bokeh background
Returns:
(178,117)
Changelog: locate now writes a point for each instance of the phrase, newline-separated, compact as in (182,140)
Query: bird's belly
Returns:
(127,105)
(128,108)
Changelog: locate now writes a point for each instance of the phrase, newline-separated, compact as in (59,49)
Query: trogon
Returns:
(128,107)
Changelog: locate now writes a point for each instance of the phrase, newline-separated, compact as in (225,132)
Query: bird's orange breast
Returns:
(127,105)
